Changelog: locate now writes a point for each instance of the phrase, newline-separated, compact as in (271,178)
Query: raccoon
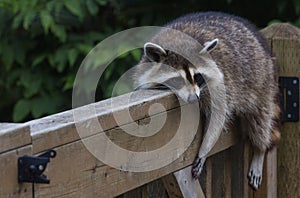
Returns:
(230,54)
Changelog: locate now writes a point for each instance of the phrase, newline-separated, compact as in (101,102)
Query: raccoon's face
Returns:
(172,71)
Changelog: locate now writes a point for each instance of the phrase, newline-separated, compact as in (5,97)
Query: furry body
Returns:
(232,54)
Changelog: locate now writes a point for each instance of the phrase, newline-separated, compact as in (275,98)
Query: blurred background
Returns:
(43,42)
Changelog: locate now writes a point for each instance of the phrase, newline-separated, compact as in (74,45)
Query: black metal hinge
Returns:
(289,98)
(31,168)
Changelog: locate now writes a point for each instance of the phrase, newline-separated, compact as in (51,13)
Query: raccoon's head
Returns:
(168,69)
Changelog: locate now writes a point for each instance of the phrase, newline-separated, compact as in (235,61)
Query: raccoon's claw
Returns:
(255,178)
(197,167)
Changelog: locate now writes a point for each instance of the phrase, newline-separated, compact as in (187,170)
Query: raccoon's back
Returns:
(242,53)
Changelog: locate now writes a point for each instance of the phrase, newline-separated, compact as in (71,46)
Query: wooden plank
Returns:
(227,174)
(237,171)
(13,136)
(271,175)
(189,187)
(180,184)
(208,179)
(60,129)
(154,189)
(172,187)
(218,168)
(285,42)
(9,186)
(75,171)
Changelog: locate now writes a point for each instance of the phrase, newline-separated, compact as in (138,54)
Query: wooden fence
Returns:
(75,172)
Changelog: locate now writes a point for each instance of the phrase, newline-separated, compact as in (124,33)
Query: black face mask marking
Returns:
(188,74)
(199,80)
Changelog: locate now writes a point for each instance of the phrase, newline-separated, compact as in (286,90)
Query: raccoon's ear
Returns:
(209,46)
(154,52)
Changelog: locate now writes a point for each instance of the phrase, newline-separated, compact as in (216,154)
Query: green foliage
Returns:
(43,43)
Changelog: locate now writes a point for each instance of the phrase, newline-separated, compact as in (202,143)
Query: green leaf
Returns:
(84,48)
(40,106)
(69,82)
(51,61)
(92,7)
(38,59)
(7,56)
(60,58)
(136,54)
(30,82)
(44,105)
(59,31)
(21,110)
(19,51)
(72,56)
(75,7)
(102,2)
(28,19)
(17,21)
(32,88)
(46,20)
(297,7)
(108,73)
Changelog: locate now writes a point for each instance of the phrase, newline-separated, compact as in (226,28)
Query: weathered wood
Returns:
(285,43)
(181,184)
(188,186)
(153,189)
(172,187)
(13,136)
(60,129)
(90,177)
(9,186)
(218,175)
(76,172)
(237,170)
(227,174)
(208,179)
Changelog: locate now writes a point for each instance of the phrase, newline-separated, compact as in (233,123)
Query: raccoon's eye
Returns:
(198,78)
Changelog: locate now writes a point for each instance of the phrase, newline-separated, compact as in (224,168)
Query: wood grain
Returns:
(285,42)
(13,136)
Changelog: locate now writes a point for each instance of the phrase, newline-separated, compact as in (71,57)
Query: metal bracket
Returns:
(289,98)
(30,168)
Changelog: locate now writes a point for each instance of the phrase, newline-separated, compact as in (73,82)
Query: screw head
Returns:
(295,82)
(41,167)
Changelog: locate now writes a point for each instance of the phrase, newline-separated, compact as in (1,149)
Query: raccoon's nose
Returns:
(193,98)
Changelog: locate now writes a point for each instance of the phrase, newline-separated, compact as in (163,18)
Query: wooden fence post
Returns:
(285,43)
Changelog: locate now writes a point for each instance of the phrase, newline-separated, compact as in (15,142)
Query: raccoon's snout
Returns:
(192,98)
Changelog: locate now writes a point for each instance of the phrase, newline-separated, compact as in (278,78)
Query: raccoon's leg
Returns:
(214,128)
(216,112)
(256,168)
(259,132)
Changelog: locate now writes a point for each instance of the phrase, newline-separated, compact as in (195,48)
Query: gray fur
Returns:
(242,59)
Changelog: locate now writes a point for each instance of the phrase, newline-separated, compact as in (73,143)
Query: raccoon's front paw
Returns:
(255,178)
(197,167)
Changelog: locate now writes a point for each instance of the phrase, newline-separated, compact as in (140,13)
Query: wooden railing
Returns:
(75,172)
